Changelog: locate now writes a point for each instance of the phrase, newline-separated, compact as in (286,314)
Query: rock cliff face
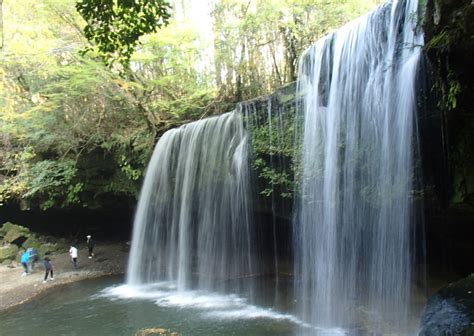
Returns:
(449,30)
(447,131)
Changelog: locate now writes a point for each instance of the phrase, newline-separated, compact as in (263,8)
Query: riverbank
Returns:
(15,289)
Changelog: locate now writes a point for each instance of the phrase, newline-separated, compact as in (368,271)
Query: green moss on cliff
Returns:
(449,27)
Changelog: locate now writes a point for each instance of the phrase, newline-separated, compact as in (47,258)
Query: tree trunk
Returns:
(239,80)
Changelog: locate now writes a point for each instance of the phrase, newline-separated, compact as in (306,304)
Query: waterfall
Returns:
(353,215)
(193,224)
(353,221)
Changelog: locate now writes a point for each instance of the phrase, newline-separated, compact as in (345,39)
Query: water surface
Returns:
(106,307)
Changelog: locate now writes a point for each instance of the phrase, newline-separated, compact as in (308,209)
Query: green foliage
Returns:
(168,79)
(58,110)
(273,144)
(51,183)
(257,43)
(454,89)
(440,42)
(115,26)
(75,132)
(450,50)
(48,182)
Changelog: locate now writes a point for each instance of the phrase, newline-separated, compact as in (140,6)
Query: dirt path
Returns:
(16,289)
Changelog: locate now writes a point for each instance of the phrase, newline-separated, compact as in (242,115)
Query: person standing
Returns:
(25,257)
(48,268)
(90,245)
(34,257)
(73,254)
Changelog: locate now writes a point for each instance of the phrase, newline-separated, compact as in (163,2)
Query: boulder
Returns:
(5,227)
(8,252)
(450,311)
(49,248)
(32,241)
(154,331)
(16,234)
(7,263)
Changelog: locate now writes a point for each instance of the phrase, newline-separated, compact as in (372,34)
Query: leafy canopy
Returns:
(75,133)
(115,26)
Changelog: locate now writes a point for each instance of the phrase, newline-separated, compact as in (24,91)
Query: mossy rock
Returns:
(16,234)
(49,248)
(154,331)
(33,241)
(5,227)
(451,310)
(8,252)
(7,262)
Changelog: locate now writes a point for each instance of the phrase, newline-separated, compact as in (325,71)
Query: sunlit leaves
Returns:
(73,131)
(115,26)
(258,43)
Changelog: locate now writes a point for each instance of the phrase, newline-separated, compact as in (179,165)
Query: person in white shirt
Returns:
(73,254)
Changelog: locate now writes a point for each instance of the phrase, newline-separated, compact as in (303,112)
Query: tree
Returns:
(73,132)
(257,43)
(115,26)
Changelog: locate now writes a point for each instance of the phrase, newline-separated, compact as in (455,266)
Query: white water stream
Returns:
(354,227)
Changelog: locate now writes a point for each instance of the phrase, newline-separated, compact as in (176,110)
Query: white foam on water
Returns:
(145,292)
(249,312)
(200,300)
(212,305)
(330,331)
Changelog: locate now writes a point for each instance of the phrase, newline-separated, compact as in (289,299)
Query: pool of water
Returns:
(107,307)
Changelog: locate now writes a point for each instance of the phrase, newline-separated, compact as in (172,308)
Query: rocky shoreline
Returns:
(15,239)
(15,289)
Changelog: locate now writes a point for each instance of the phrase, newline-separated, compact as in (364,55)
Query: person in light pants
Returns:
(73,254)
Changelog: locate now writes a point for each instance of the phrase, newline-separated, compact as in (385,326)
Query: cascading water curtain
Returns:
(193,224)
(353,221)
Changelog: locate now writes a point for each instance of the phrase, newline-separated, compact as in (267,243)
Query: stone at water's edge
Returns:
(450,311)
(154,331)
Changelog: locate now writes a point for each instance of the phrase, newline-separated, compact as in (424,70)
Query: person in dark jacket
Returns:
(90,245)
(48,269)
